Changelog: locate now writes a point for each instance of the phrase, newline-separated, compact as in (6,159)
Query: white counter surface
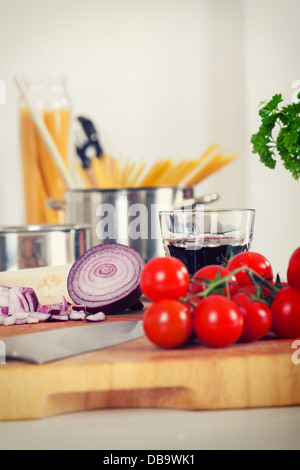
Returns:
(157,429)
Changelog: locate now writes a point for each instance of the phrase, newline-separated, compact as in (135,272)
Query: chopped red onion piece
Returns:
(64,306)
(4,296)
(55,310)
(79,308)
(99,316)
(4,311)
(42,317)
(59,317)
(21,315)
(77,315)
(106,278)
(17,301)
(10,320)
(43,309)
(31,298)
(16,318)
(30,319)
(22,299)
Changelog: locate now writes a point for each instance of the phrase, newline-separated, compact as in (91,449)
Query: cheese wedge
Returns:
(49,283)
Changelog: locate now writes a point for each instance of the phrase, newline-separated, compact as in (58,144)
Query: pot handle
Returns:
(56,204)
(206,199)
(60,204)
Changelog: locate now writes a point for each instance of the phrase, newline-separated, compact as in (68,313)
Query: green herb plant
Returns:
(268,143)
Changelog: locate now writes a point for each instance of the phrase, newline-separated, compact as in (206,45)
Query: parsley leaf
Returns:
(285,120)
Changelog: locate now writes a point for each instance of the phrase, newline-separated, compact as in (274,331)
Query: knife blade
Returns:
(47,346)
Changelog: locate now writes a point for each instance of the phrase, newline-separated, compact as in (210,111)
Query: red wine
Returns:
(195,258)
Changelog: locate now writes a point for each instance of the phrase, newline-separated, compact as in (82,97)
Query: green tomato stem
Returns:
(224,282)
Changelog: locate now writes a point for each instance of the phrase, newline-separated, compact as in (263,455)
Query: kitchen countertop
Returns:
(156,429)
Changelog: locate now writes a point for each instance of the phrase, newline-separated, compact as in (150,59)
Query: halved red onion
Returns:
(106,278)
(137,306)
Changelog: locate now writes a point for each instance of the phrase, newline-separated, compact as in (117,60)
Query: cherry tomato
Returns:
(293,273)
(254,261)
(286,313)
(210,272)
(257,317)
(168,323)
(218,322)
(163,278)
(192,303)
(252,290)
(283,284)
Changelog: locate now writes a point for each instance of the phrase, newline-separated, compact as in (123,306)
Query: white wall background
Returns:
(164,77)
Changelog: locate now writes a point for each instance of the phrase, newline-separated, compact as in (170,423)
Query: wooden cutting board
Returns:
(139,374)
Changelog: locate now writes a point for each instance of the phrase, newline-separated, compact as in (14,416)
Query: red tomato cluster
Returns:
(220,305)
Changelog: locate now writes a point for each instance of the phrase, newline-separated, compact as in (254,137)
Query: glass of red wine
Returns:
(200,237)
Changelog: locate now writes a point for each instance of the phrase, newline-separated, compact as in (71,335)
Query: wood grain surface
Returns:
(139,374)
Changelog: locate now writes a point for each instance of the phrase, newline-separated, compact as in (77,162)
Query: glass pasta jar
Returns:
(41,179)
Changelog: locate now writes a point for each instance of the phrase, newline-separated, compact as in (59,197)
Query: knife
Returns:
(47,346)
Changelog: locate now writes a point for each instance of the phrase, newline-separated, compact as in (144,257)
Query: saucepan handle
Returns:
(193,201)
(57,204)
(60,204)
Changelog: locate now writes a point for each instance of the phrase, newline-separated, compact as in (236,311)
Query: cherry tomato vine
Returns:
(237,301)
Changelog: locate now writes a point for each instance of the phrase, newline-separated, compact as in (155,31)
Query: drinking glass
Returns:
(204,237)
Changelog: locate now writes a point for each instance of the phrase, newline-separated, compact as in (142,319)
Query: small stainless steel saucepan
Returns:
(32,246)
(127,215)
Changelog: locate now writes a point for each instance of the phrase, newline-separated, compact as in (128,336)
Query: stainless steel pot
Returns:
(31,246)
(128,216)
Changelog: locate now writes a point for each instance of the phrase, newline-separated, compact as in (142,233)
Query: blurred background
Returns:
(164,78)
